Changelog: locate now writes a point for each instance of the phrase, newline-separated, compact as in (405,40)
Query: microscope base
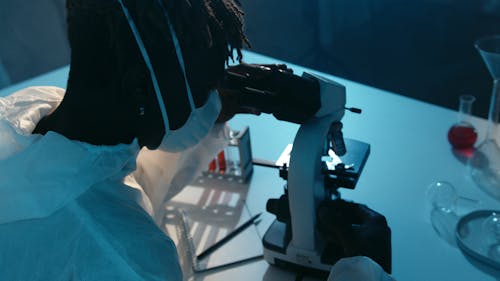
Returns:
(278,251)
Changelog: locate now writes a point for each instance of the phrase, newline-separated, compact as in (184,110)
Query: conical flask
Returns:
(485,163)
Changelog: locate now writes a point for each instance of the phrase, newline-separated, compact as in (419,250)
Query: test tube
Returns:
(229,160)
(221,160)
(234,153)
(212,166)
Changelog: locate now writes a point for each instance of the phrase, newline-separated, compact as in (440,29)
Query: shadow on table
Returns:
(276,273)
(203,214)
(463,155)
(483,267)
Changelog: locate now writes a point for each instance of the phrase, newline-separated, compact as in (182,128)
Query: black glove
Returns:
(352,229)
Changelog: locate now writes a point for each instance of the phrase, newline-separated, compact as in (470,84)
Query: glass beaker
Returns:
(485,163)
(462,135)
(491,235)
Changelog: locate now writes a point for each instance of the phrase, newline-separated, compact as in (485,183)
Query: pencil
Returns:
(228,237)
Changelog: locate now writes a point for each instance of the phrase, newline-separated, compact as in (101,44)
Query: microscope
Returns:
(314,226)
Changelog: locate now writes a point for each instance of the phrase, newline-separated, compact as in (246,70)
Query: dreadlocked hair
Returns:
(104,49)
(211,23)
(209,31)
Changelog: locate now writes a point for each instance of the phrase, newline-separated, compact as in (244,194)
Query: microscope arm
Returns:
(297,240)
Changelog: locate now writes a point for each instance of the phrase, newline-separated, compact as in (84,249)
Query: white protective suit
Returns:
(73,211)
(66,211)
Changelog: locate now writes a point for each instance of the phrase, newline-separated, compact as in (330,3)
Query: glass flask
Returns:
(442,198)
(485,163)
(491,235)
(491,228)
(441,195)
(462,135)
(447,206)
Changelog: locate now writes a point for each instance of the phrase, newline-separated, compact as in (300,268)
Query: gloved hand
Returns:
(352,229)
(269,88)
(358,268)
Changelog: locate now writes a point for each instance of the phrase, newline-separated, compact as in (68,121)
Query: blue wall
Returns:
(422,49)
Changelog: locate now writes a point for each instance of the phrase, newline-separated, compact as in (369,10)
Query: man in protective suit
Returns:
(85,171)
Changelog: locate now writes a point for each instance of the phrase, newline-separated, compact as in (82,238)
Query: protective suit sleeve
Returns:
(163,174)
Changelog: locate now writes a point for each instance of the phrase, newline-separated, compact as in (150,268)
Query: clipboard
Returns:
(204,213)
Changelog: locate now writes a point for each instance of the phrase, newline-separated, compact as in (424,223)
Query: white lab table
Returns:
(409,150)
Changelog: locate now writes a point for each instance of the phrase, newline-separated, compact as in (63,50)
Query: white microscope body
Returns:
(300,244)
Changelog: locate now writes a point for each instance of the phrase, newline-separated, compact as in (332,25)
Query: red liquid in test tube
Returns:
(212,166)
(221,159)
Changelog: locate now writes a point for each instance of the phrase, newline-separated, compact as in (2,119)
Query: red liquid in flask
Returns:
(462,136)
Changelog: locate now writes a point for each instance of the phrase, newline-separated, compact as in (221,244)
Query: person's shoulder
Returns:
(24,108)
(49,93)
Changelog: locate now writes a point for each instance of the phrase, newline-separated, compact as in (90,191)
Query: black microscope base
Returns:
(276,242)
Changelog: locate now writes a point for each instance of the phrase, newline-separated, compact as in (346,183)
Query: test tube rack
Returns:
(234,162)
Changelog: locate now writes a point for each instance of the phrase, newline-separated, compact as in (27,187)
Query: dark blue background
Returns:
(422,49)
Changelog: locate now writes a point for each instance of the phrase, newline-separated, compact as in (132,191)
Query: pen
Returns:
(228,237)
